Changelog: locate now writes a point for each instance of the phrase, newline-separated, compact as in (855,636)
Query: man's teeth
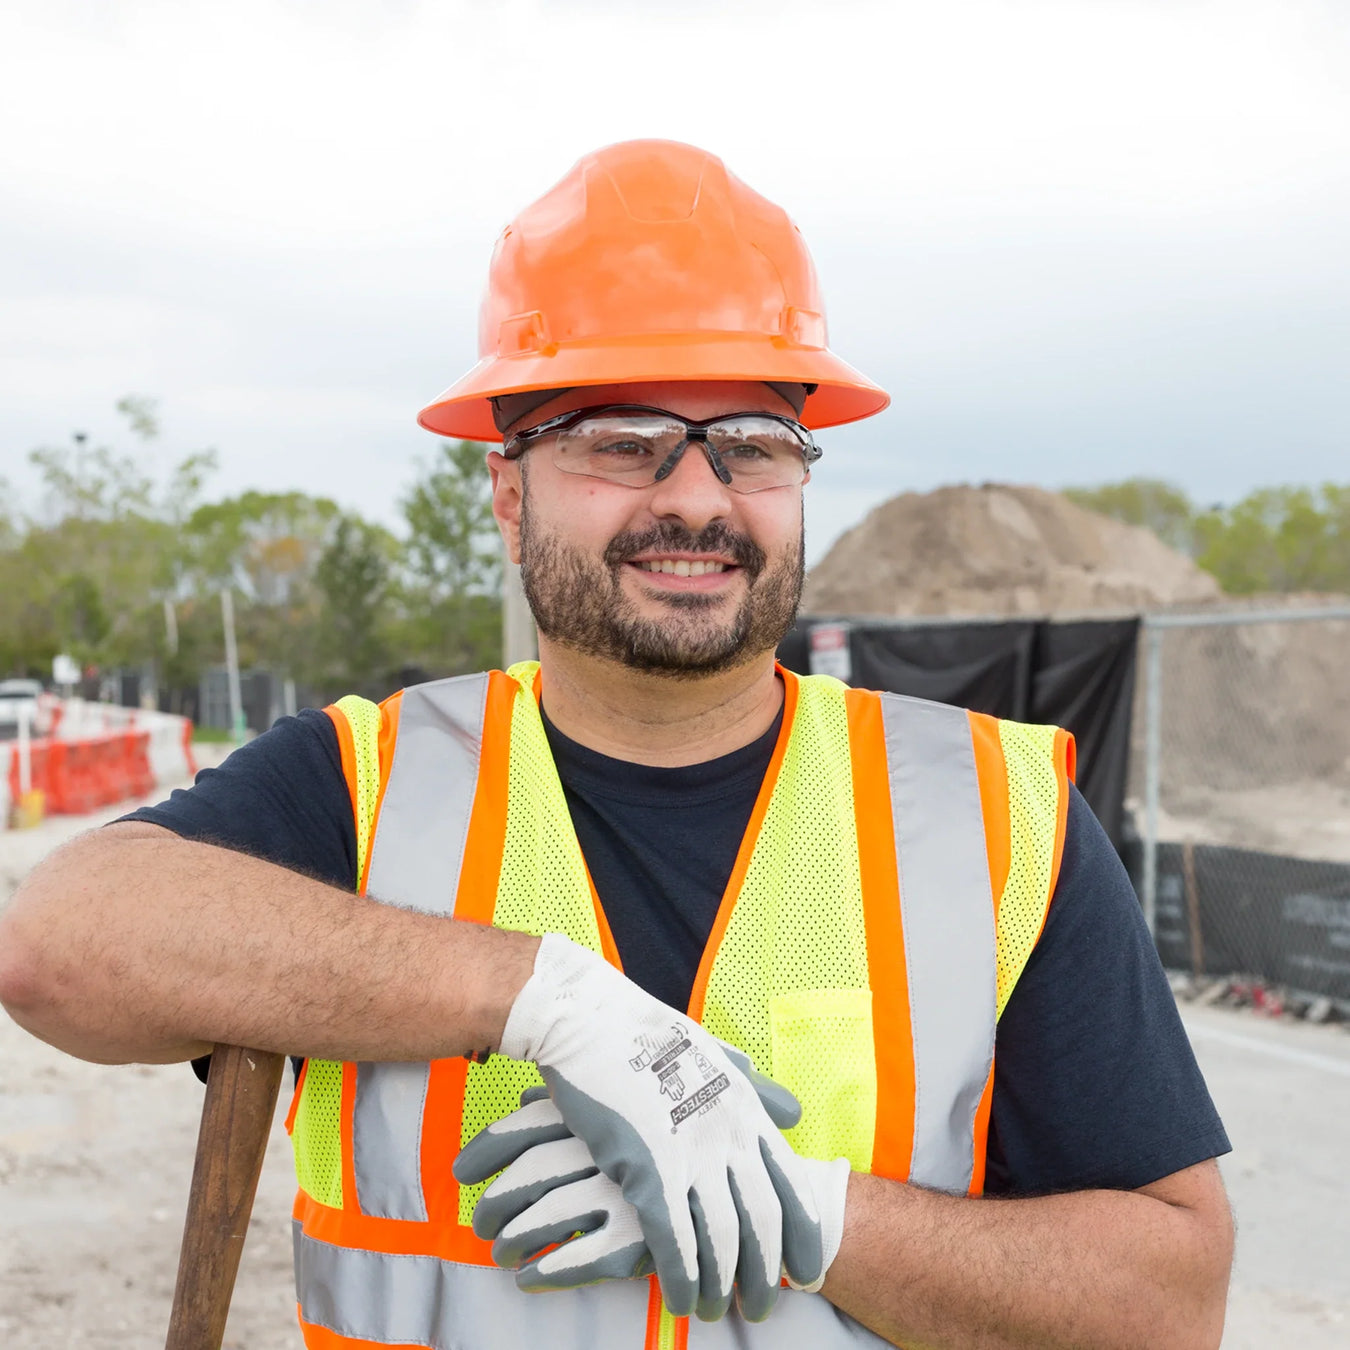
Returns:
(682,568)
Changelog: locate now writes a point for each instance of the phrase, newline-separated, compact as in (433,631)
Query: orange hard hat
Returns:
(649,261)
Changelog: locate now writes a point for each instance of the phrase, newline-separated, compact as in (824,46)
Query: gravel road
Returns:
(95,1164)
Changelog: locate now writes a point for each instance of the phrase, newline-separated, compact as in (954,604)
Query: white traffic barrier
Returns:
(171,758)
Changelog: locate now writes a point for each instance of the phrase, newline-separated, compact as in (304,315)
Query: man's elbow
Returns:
(49,983)
(1211,1266)
(34,989)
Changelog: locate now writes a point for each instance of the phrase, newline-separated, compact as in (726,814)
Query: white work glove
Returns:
(554,1193)
(668,1117)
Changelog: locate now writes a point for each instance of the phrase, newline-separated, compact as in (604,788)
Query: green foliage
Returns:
(453,545)
(355,584)
(1280,539)
(1274,539)
(1149,502)
(321,595)
(452,595)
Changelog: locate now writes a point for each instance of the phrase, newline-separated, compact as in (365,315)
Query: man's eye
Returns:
(744,452)
(627,449)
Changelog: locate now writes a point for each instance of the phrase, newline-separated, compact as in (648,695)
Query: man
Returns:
(859,892)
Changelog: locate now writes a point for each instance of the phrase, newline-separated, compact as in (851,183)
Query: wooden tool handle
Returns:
(241,1096)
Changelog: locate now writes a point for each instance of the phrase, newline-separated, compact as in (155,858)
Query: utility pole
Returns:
(232,666)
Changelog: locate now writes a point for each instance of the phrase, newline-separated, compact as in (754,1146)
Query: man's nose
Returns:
(692,491)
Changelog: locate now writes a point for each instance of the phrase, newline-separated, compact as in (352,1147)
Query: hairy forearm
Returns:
(1100,1269)
(131,944)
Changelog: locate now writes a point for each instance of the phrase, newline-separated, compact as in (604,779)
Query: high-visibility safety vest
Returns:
(892,882)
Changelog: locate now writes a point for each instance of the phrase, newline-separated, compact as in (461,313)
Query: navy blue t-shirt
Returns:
(1095,1084)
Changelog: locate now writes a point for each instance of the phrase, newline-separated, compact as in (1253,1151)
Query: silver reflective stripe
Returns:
(445,1305)
(415,862)
(387,1139)
(798,1322)
(947,909)
(418,849)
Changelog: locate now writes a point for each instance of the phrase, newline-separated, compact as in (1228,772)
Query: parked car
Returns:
(17,697)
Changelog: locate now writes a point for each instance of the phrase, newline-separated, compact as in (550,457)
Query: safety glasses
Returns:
(638,446)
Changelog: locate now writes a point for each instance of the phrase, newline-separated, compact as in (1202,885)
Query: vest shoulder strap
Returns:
(358,722)
(1039,764)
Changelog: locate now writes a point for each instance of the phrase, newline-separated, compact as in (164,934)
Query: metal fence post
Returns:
(1152,769)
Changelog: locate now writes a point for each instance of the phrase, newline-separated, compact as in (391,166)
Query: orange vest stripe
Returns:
(389,711)
(320,1338)
(893,1143)
(747,849)
(347,751)
(350,1203)
(477,894)
(991,769)
(348,1228)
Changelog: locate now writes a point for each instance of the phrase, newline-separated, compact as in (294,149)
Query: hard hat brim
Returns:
(843,394)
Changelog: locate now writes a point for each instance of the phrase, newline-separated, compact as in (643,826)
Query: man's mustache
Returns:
(716,538)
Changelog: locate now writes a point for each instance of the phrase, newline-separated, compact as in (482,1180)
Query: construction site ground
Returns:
(95,1163)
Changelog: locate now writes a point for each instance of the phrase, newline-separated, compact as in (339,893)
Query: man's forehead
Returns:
(696,399)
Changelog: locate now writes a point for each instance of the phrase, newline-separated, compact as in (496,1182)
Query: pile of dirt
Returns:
(998,549)
(1255,717)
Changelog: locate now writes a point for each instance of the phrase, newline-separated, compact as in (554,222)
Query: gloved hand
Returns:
(666,1116)
(554,1191)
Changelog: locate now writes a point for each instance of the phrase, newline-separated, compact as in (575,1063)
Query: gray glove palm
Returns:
(554,1194)
(667,1116)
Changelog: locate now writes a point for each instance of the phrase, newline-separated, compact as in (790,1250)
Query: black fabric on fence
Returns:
(1077,675)
(1284,920)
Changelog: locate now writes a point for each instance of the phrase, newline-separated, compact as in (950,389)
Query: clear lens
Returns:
(628,448)
(757,452)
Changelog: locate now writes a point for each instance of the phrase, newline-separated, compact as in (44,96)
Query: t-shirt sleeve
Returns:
(1095,1083)
(281,797)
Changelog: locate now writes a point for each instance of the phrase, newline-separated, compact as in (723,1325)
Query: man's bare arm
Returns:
(131,944)
(1100,1269)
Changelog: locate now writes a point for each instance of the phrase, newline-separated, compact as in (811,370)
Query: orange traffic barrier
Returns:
(139,777)
(187,748)
(98,771)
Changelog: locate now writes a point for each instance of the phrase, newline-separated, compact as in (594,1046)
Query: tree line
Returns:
(1274,539)
(121,569)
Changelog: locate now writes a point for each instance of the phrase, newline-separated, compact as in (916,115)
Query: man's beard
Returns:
(579,603)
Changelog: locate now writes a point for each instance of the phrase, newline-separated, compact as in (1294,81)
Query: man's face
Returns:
(609,570)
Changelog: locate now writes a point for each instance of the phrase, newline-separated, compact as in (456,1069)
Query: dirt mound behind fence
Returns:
(1251,713)
(999,550)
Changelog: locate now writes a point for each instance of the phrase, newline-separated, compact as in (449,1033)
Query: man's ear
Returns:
(506,499)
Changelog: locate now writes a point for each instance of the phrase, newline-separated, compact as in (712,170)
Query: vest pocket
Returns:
(823,1051)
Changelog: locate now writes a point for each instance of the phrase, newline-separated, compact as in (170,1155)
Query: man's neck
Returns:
(651,719)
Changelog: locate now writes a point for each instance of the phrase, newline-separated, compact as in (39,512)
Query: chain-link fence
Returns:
(1240,789)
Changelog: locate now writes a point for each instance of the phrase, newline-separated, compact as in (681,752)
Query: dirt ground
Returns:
(95,1164)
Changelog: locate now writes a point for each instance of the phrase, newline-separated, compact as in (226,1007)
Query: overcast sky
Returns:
(1077,241)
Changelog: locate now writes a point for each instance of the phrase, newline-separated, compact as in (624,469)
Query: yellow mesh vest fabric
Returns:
(1033,807)
(316,1136)
(789,983)
(543,888)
